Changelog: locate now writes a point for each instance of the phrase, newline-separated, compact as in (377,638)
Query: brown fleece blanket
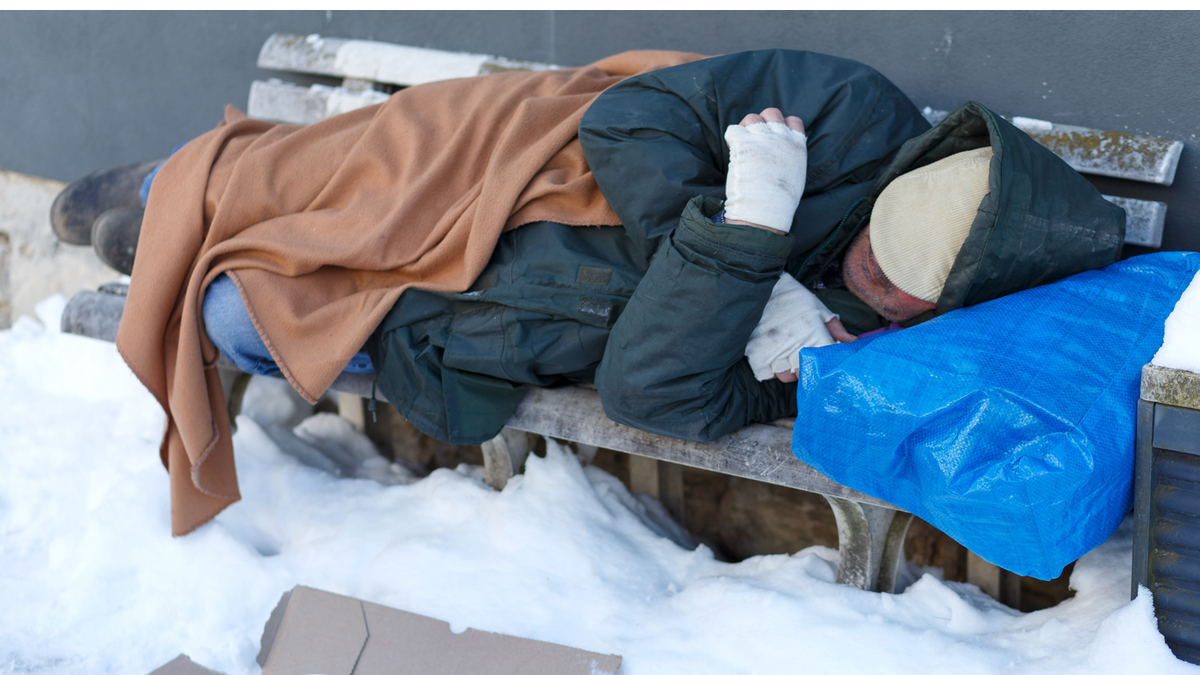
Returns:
(322,227)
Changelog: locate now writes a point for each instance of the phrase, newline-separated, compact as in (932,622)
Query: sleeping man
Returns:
(670,228)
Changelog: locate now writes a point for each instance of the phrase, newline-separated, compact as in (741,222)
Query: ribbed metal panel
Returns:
(1182,536)
(1179,466)
(1177,596)
(1175,546)
(1179,629)
(1186,653)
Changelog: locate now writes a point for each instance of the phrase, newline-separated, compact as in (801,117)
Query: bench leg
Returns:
(659,479)
(670,489)
(352,408)
(504,456)
(871,543)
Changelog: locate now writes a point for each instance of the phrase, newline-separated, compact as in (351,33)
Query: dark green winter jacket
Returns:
(657,312)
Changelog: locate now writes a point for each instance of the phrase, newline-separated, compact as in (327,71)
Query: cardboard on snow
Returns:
(314,631)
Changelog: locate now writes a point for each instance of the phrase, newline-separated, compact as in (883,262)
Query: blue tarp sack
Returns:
(1008,425)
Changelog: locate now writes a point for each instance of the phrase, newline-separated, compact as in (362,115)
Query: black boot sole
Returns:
(115,237)
(77,207)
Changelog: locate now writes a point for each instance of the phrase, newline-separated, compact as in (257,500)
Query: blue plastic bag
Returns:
(1008,425)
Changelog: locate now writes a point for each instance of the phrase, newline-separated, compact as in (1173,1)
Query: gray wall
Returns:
(86,90)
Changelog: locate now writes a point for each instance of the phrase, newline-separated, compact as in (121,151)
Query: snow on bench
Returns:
(870,532)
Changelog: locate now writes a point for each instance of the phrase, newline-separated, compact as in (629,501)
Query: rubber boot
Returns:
(77,207)
(115,237)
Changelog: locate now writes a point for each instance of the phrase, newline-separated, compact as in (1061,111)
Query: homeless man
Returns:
(475,237)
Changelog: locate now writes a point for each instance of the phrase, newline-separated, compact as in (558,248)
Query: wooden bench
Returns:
(871,532)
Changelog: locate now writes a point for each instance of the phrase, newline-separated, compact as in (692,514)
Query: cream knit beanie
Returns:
(922,218)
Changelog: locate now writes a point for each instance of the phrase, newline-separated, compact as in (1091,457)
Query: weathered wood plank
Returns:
(95,314)
(1144,220)
(1100,153)
(1092,151)
(285,102)
(379,61)
(1107,153)
(759,452)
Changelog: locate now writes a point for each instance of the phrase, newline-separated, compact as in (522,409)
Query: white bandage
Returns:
(767,166)
(793,319)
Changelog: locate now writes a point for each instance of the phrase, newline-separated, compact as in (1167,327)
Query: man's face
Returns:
(865,279)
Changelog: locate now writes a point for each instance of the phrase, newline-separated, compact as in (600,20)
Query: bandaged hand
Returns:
(793,319)
(768,160)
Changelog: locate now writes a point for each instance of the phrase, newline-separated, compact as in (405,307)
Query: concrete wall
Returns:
(34,264)
(85,90)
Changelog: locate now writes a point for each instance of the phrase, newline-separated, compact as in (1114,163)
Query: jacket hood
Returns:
(1040,222)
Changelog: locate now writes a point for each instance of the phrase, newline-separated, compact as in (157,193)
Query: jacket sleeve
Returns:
(674,362)
(654,141)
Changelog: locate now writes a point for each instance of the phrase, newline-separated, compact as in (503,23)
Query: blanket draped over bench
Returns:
(322,228)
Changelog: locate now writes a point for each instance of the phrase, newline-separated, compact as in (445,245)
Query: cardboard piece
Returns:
(182,665)
(315,631)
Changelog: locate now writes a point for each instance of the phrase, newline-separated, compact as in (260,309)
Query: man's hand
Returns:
(768,160)
(793,319)
(836,331)
(773,115)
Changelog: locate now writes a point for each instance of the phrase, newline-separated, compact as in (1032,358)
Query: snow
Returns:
(1181,338)
(92,582)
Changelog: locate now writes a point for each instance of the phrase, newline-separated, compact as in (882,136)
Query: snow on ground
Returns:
(92,582)
(1181,339)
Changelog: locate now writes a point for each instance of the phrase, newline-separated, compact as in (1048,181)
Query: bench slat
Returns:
(1100,153)
(759,452)
(285,102)
(1107,153)
(95,314)
(379,61)
(1144,220)
(1092,151)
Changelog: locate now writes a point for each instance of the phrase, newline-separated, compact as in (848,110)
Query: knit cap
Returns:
(922,218)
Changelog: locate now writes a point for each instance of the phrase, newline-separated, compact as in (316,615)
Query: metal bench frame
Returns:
(871,532)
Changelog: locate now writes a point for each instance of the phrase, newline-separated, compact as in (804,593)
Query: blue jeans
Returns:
(144,193)
(229,325)
(231,330)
